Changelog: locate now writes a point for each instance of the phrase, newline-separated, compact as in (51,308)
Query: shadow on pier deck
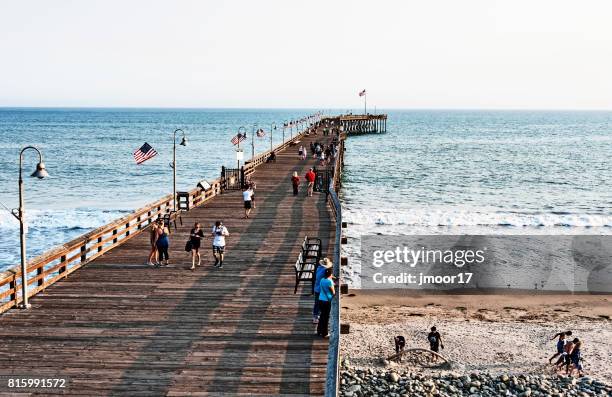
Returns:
(118,326)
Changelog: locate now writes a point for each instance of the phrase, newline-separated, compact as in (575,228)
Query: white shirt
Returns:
(246,195)
(219,240)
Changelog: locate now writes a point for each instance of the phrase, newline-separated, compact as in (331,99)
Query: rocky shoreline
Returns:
(369,383)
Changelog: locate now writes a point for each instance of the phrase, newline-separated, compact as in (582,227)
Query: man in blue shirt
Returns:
(319,275)
(326,294)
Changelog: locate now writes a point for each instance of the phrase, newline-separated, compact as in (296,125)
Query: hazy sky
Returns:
(316,54)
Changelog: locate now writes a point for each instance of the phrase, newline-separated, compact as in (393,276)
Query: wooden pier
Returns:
(360,124)
(116,326)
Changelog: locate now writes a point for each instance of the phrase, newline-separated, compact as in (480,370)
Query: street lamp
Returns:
(240,156)
(40,173)
(253,141)
(183,143)
(272,128)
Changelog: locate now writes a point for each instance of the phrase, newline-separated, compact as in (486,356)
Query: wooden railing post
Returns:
(83,252)
(62,269)
(99,243)
(41,280)
(13,286)
(138,222)
(114,234)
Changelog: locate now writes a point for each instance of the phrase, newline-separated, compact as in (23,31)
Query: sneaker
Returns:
(315,321)
(220,266)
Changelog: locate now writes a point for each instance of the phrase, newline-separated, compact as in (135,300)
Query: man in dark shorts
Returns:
(247,197)
(435,340)
(219,233)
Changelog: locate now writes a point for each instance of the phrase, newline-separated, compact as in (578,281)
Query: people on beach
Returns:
(152,259)
(295,182)
(400,343)
(323,265)
(247,195)
(560,343)
(435,340)
(195,237)
(162,243)
(310,180)
(575,358)
(565,360)
(326,294)
(219,233)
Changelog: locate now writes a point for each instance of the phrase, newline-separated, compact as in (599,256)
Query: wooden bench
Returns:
(311,248)
(304,271)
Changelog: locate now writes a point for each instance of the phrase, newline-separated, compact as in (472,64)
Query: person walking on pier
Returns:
(152,259)
(247,195)
(252,185)
(219,233)
(295,181)
(163,243)
(310,179)
(195,237)
(326,295)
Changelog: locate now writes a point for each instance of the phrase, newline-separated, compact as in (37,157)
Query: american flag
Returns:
(238,138)
(362,93)
(144,153)
(260,133)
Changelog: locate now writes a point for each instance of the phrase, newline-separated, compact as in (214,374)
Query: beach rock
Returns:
(374,382)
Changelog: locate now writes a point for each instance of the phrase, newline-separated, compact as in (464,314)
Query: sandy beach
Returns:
(496,334)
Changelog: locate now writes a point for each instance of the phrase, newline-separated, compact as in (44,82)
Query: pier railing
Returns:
(56,264)
(333,358)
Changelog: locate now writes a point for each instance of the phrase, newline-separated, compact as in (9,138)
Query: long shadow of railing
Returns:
(175,350)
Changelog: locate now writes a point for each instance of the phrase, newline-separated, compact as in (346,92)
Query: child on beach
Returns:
(560,343)
(574,357)
(564,359)
(435,340)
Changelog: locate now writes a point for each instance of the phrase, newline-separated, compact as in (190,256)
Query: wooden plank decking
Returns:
(119,327)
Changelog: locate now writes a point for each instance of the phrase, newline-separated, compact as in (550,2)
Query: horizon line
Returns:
(2,107)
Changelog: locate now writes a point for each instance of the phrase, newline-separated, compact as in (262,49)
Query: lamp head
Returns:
(184,141)
(41,171)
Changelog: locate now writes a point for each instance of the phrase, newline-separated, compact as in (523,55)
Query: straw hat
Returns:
(326,263)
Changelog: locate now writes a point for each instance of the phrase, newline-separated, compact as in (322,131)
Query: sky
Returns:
(483,54)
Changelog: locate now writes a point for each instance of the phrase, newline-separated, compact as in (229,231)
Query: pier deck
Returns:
(118,326)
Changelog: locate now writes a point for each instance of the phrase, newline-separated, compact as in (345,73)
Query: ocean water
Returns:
(433,172)
(93,177)
(480,173)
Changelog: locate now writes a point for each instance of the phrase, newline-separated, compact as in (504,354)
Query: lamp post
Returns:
(239,157)
(40,173)
(183,143)
(253,141)
(285,124)
(272,128)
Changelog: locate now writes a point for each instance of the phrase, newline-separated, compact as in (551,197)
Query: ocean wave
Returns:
(453,218)
(62,219)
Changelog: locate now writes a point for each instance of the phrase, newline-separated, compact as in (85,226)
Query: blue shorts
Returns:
(217,249)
